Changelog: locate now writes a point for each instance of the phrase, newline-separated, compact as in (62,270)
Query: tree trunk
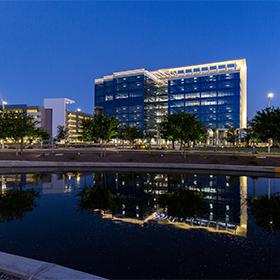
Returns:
(184,149)
(173,144)
(21,145)
(105,148)
(101,152)
(16,146)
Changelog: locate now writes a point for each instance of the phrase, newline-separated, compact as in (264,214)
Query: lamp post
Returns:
(3,103)
(268,106)
(3,108)
(269,96)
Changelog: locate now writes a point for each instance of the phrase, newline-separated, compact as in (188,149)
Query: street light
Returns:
(3,103)
(3,107)
(268,106)
(269,96)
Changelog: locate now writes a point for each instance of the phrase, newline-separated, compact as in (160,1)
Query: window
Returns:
(229,92)
(192,103)
(109,97)
(208,102)
(136,93)
(208,94)
(192,95)
(176,96)
(177,104)
(99,99)
(121,95)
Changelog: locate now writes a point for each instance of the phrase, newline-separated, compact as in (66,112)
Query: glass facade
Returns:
(123,98)
(214,98)
(216,93)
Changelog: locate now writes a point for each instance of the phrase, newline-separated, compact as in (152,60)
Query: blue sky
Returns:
(56,49)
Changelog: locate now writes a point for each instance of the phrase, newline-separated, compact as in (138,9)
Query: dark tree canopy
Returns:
(184,127)
(100,128)
(266,212)
(131,133)
(16,125)
(97,198)
(62,133)
(183,203)
(265,124)
(15,204)
(232,134)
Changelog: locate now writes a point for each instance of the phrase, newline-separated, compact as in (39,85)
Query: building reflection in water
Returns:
(62,182)
(139,196)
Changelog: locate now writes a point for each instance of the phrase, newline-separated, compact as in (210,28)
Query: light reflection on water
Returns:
(145,225)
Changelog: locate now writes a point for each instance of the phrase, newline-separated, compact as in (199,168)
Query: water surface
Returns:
(144,225)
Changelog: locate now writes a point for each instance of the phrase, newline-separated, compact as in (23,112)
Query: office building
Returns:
(39,113)
(61,116)
(216,92)
(53,114)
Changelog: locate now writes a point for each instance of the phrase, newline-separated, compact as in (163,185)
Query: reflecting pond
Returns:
(144,225)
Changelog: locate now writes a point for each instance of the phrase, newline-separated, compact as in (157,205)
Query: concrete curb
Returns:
(30,269)
(134,165)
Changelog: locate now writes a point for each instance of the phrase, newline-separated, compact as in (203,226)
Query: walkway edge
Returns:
(41,164)
(30,269)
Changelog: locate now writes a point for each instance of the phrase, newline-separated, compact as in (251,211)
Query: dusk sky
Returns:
(56,49)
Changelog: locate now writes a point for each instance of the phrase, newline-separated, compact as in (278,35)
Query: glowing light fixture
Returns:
(269,96)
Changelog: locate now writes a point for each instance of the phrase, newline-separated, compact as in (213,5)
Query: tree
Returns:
(184,127)
(265,211)
(14,204)
(100,128)
(215,140)
(62,133)
(149,135)
(232,134)
(97,199)
(265,124)
(40,134)
(169,129)
(131,133)
(16,125)
(183,203)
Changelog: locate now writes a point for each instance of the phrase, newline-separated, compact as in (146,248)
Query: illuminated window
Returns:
(32,110)
(192,103)
(191,95)
(109,97)
(121,95)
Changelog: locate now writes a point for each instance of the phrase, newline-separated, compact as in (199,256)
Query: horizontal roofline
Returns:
(167,73)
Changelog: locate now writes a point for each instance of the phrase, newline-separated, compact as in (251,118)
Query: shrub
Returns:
(203,156)
(235,156)
(254,161)
(74,157)
(160,149)
(28,147)
(132,159)
(216,161)
(12,147)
